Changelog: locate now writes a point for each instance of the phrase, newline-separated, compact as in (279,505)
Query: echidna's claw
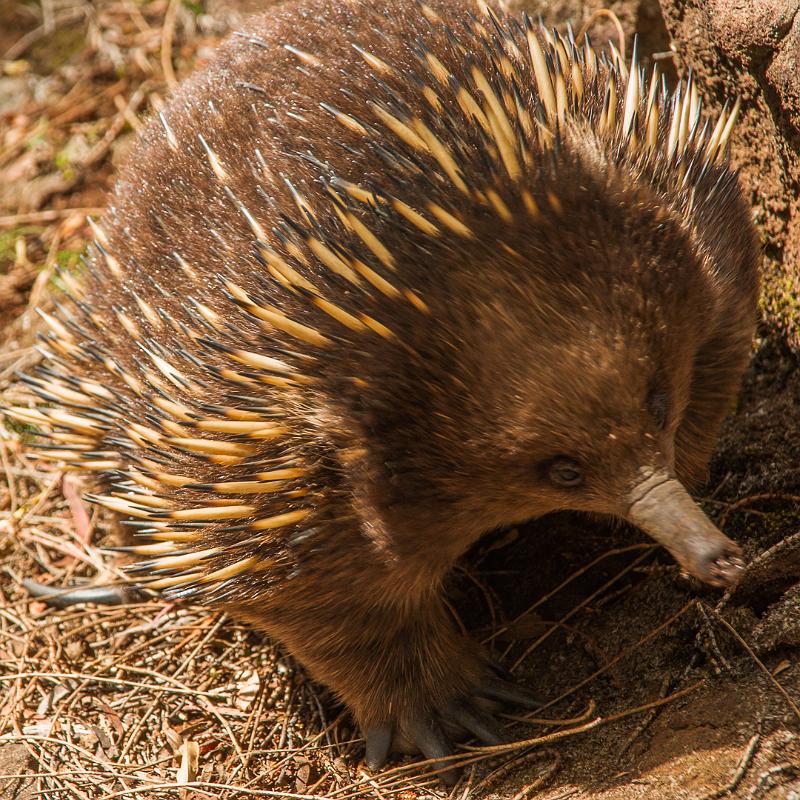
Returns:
(509,693)
(499,670)
(379,742)
(478,723)
(427,735)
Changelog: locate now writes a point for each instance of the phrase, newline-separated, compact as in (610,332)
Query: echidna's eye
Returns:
(565,472)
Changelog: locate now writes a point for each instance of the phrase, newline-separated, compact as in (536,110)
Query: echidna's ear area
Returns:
(277,232)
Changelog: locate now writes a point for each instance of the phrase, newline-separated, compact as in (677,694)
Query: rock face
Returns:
(753,48)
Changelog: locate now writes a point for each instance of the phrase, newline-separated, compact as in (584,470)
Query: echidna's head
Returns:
(574,370)
(583,274)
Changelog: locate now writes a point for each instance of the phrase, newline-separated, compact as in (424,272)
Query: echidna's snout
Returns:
(661,507)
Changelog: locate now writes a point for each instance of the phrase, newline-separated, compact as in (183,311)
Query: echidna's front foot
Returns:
(430,732)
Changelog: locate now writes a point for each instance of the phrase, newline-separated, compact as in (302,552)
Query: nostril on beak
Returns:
(722,564)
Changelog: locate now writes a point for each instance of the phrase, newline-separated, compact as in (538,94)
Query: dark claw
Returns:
(427,735)
(480,725)
(499,670)
(507,692)
(379,742)
(62,598)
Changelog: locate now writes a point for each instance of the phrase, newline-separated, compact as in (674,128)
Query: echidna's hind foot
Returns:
(432,731)
(116,595)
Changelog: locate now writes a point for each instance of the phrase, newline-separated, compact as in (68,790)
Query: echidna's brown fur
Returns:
(368,275)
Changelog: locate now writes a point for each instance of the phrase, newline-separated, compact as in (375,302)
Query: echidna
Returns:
(380,278)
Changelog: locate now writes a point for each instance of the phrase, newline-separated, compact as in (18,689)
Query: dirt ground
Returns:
(654,686)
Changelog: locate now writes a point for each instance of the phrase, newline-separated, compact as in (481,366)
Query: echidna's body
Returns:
(383,277)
